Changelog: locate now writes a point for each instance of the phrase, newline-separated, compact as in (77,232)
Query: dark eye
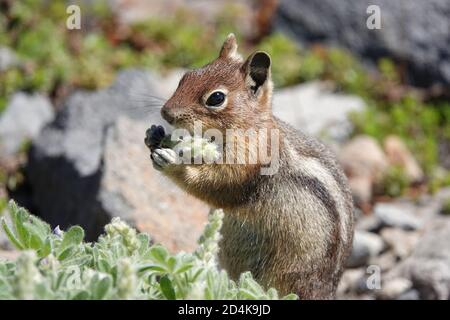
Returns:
(215,99)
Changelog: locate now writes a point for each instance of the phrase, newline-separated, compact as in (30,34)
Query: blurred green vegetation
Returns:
(394,183)
(55,60)
(446,207)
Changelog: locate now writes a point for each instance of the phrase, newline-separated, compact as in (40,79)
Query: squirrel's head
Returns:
(226,93)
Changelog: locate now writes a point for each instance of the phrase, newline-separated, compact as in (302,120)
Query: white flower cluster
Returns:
(197,148)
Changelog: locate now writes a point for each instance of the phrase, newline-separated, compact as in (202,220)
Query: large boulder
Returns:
(91,164)
(415,32)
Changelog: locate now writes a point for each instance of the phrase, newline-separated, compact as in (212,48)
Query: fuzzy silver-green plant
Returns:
(198,148)
(195,148)
(120,265)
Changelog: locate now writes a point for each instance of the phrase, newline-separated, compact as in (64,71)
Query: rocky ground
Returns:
(400,251)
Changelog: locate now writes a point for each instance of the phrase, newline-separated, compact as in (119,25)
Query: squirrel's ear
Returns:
(257,69)
(229,48)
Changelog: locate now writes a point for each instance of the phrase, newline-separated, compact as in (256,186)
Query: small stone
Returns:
(349,281)
(393,288)
(364,163)
(369,223)
(385,261)
(411,294)
(8,59)
(398,155)
(402,242)
(393,215)
(365,246)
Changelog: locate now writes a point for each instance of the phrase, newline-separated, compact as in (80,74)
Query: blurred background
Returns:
(75,104)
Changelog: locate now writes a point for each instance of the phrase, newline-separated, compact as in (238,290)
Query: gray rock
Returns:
(412,31)
(411,294)
(385,261)
(400,241)
(313,108)
(369,223)
(91,164)
(23,119)
(366,245)
(394,215)
(350,282)
(8,59)
(428,267)
(394,288)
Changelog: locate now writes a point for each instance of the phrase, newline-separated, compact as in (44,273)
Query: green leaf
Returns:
(82,295)
(184,268)
(66,253)
(46,248)
(42,228)
(171,263)
(102,288)
(11,236)
(103,265)
(19,217)
(72,237)
(159,253)
(167,288)
(247,294)
(35,237)
(144,241)
(291,296)
(151,267)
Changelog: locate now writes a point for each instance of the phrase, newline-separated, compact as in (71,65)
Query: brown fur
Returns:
(292,230)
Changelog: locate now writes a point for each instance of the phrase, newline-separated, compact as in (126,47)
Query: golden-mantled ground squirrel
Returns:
(292,229)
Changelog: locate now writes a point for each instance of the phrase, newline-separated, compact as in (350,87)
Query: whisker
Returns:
(147,101)
(144,107)
(151,96)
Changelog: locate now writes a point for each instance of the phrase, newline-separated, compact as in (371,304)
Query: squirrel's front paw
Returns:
(163,158)
(154,136)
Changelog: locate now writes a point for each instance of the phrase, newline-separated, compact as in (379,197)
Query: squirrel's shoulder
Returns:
(302,142)
(307,146)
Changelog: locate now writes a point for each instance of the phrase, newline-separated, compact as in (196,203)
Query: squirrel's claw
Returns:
(163,158)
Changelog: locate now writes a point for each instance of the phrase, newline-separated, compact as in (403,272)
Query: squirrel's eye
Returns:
(215,99)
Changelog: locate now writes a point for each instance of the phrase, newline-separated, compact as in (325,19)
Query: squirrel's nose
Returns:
(167,115)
